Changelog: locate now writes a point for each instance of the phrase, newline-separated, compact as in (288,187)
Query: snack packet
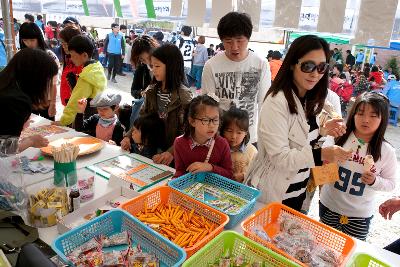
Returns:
(116,239)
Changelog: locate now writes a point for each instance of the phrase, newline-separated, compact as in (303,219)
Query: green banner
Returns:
(117,6)
(150,9)
(85,7)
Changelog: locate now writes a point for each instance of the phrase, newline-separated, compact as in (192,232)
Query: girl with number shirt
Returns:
(348,205)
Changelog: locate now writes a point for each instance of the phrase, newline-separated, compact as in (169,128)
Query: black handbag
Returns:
(15,235)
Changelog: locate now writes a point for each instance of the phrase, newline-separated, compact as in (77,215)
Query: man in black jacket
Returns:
(350,59)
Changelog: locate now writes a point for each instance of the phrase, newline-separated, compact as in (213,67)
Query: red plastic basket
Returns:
(268,216)
(167,195)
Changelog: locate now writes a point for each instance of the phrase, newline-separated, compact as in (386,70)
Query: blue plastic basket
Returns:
(116,221)
(219,181)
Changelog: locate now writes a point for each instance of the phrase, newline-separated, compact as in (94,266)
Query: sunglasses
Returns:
(310,66)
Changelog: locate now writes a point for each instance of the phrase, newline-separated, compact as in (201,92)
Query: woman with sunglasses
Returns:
(288,128)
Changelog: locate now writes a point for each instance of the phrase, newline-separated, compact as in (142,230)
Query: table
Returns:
(102,187)
(108,151)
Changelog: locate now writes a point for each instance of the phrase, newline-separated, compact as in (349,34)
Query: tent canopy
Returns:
(330,38)
(394,45)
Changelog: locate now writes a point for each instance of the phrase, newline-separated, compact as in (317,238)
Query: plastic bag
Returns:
(12,192)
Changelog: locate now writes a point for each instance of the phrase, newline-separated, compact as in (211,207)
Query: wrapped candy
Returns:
(368,163)
(327,257)
(116,240)
(88,254)
(115,258)
(327,113)
(92,244)
(137,258)
(260,232)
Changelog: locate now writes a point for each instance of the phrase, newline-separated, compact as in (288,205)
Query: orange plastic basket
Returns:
(167,195)
(268,216)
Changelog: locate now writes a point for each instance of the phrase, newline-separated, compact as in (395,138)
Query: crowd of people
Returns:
(265,124)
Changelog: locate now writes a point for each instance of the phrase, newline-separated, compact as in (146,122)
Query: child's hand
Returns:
(126,143)
(238,177)
(389,207)
(164,158)
(335,154)
(334,127)
(197,167)
(52,109)
(368,178)
(82,103)
(57,123)
(111,142)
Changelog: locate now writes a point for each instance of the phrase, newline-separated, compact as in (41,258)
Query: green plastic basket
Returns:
(237,245)
(365,260)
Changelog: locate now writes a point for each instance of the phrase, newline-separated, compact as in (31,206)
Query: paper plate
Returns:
(87,145)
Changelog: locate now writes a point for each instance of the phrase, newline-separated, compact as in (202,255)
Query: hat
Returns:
(105,100)
(70,20)
(392,77)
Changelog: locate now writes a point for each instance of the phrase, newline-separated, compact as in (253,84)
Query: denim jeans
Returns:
(196,73)
(136,106)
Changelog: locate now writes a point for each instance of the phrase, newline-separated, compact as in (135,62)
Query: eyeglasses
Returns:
(310,66)
(208,121)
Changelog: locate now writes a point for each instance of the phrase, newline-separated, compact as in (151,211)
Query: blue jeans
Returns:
(196,73)
(136,106)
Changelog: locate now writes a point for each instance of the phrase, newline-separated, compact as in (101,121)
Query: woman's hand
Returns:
(164,158)
(333,127)
(37,141)
(368,178)
(57,123)
(389,207)
(126,143)
(197,167)
(82,103)
(335,154)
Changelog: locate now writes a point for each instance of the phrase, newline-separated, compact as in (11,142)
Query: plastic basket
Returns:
(268,217)
(115,221)
(365,260)
(228,185)
(167,195)
(237,245)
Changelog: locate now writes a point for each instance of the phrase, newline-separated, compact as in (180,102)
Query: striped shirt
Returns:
(163,100)
(296,192)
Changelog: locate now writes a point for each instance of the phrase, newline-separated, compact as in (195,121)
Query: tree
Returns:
(394,65)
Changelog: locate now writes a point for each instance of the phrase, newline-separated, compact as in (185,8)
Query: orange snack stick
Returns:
(191,214)
(155,207)
(177,237)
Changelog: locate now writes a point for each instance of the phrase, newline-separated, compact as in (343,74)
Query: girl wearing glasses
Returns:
(288,128)
(348,204)
(201,149)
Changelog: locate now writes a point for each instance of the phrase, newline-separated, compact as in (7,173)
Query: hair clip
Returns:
(213,96)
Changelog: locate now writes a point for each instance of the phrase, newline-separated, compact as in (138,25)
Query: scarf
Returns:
(107,122)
